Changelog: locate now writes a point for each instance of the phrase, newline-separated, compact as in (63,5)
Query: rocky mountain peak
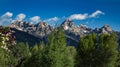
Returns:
(67,24)
(40,29)
(41,24)
(83,26)
(70,28)
(73,32)
(106,29)
(20,25)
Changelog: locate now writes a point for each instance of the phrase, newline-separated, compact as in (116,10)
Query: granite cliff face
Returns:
(73,32)
(106,29)
(81,30)
(40,29)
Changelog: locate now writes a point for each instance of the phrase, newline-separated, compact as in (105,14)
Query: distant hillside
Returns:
(22,36)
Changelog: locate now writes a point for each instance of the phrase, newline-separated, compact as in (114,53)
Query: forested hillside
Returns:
(93,50)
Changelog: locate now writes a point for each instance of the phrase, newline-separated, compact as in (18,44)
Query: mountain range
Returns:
(34,33)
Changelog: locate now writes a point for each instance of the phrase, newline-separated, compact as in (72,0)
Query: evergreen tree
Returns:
(72,51)
(118,60)
(97,51)
(20,52)
(6,58)
(86,51)
(108,50)
(36,59)
(57,54)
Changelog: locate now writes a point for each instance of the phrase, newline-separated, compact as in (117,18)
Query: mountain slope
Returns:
(34,33)
(25,37)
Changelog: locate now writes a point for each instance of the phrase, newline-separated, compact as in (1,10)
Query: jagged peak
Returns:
(107,28)
(41,24)
(68,22)
(83,25)
(67,25)
(20,23)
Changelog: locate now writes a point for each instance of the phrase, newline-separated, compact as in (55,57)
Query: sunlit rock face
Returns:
(68,25)
(106,29)
(73,32)
(40,29)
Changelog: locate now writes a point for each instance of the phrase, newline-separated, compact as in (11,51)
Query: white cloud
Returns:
(78,16)
(20,16)
(6,18)
(54,19)
(96,14)
(85,15)
(7,15)
(35,19)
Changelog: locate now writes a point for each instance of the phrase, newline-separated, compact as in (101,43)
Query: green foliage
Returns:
(57,53)
(20,52)
(6,58)
(86,51)
(36,59)
(6,41)
(97,51)
(118,60)
(108,50)
(93,51)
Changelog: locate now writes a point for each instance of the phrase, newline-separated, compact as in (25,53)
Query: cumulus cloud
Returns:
(6,18)
(54,19)
(7,15)
(85,15)
(35,19)
(96,13)
(20,16)
(78,16)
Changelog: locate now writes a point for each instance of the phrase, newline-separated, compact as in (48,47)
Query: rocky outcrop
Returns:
(106,29)
(20,25)
(73,32)
(40,29)
(67,24)
(80,30)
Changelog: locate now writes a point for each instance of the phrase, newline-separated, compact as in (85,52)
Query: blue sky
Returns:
(56,11)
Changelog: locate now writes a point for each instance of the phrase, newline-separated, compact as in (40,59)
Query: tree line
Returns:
(93,50)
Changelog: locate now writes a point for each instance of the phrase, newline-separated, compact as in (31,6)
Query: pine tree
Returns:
(57,53)
(97,51)
(108,50)
(86,51)
(36,59)
(20,52)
